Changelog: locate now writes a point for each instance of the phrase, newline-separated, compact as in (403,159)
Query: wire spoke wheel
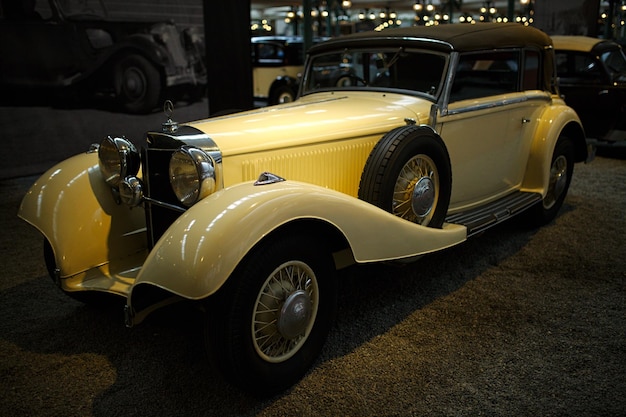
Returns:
(416,190)
(558,181)
(285,311)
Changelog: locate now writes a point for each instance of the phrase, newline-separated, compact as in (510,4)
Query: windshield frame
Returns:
(388,55)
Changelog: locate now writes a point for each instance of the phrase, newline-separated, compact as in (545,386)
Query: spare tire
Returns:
(408,174)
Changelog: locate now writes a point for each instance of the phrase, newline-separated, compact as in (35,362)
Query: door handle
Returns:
(525,120)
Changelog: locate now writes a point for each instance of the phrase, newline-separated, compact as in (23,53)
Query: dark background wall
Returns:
(229,66)
(186,13)
(567,17)
(226,26)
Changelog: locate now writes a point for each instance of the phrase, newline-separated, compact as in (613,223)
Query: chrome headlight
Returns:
(192,174)
(117,158)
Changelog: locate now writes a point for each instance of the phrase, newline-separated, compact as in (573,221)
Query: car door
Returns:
(487,126)
(587,88)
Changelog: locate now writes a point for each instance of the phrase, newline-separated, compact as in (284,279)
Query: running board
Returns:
(482,218)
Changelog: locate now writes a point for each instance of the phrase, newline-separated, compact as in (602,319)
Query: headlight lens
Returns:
(117,158)
(192,174)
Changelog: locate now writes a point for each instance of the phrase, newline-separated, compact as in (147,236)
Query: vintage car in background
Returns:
(277,62)
(251,215)
(592,80)
(59,44)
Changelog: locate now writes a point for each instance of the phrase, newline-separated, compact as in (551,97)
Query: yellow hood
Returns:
(313,119)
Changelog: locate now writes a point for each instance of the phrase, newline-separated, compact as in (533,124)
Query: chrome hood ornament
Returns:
(169,126)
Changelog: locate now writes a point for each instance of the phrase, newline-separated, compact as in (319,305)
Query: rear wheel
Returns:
(561,169)
(137,84)
(266,327)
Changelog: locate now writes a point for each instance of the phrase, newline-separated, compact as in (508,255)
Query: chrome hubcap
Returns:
(416,191)
(295,315)
(558,181)
(134,83)
(285,98)
(423,197)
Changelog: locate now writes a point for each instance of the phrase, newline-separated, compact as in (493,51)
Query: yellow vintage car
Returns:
(277,62)
(400,143)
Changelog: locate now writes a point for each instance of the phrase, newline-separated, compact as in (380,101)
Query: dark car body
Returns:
(48,43)
(592,79)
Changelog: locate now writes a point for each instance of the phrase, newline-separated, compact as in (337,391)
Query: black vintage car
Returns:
(58,44)
(592,79)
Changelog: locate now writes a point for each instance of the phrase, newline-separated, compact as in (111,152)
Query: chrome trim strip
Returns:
(498,103)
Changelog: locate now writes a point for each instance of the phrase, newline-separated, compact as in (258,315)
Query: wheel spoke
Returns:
(416,169)
(286,287)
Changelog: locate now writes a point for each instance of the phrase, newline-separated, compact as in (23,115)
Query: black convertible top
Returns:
(448,37)
(459,37)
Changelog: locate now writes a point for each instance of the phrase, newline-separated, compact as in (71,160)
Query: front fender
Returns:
(552,123)
(201,249)
(73,208)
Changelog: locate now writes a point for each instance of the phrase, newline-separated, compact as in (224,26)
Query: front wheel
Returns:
(561,169)
(266,327)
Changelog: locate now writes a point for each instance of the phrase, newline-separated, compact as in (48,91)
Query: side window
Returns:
(562,64)
(578,68)
(266,51)
(532,75)
(485,74)
(269,54)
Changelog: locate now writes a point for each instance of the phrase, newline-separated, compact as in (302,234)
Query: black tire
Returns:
(137,84)
(282,94)
(404,158)
(561,170)
(291,317)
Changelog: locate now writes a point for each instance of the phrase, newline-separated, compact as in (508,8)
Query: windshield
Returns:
(616,63)
(414,71)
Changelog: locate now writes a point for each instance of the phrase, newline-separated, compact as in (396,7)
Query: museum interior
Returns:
(353,208)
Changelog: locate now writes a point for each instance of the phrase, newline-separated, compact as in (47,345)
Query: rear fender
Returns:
(556,120)
(201,249)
